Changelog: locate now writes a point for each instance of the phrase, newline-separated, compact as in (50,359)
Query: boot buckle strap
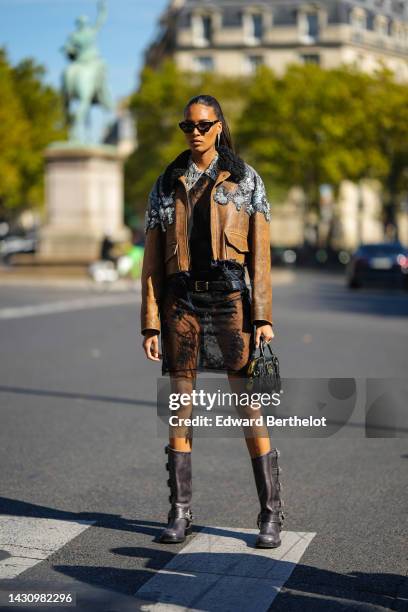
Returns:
(276,517)
(177,512)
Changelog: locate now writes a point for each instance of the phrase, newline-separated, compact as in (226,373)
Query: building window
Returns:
(252,63)
(310,58)
(253,28)
(398,31)
(202,30)
(309,26)
(204,63)
(257,29)
(207,28)
(312,25)
(381,25)
(359,19)
(398,34)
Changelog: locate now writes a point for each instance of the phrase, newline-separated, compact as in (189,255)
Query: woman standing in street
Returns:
(207,220)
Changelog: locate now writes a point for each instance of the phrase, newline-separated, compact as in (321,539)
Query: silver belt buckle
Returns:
(198,285)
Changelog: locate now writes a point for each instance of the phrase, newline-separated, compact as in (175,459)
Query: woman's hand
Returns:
(263,329)
(151,345)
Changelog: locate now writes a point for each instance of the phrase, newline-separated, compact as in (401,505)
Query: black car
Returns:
(379,263)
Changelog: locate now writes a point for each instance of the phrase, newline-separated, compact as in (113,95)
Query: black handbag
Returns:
(263,372)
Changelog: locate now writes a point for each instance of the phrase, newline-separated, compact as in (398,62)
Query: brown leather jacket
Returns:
(239,230)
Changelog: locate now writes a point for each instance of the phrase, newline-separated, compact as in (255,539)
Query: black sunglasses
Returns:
(202,126)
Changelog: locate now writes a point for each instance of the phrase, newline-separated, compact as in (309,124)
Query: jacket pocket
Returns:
(236,245)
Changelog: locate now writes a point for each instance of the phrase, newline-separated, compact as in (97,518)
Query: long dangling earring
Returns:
(218,140)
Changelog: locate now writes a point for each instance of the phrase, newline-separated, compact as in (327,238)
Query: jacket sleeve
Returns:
(153,264)
(259,259)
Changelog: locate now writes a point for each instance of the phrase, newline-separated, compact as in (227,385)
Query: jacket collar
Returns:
(193,173)
(227,161)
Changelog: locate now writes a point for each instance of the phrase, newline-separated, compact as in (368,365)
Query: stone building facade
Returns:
(233,37)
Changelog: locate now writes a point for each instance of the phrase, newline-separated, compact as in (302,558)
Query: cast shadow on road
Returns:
(307,589)
(93,397)
(370,300)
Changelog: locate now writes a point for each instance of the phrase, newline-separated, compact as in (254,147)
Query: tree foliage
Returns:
(30,118)
(307,127)
(389,110)
(322,126)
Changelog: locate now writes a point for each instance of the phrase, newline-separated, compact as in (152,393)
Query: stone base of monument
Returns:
(84,201)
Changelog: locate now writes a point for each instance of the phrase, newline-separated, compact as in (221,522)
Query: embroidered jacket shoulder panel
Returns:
(249,193)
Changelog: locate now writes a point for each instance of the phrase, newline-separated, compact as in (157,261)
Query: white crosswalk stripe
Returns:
(17,312)
(220,570)
(26,541)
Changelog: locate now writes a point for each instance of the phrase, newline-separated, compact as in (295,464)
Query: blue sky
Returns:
(38,28)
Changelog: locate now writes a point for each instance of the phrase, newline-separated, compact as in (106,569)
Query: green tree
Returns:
(13,129)
(30,118)
(389,109)
(311,126)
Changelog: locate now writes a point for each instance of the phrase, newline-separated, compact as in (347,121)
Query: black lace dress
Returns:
(205,330)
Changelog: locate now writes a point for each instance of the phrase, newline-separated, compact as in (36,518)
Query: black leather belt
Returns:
(200,286)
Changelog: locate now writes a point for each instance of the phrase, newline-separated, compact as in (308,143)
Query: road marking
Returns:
(26,541)
(69,283)
(220,570)
(17,312)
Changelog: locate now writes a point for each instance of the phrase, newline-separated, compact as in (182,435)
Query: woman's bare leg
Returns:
(258,446)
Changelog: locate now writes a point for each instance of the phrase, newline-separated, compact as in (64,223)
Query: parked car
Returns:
(17,242)
(381,263)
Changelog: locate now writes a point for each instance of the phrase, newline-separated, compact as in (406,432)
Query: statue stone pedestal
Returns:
(84,201)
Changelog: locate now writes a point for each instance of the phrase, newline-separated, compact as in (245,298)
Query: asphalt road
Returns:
(80,458)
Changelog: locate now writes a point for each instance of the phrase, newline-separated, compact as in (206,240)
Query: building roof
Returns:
(285,10)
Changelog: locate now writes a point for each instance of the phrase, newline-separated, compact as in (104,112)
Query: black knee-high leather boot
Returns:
(270,518)
(180,516)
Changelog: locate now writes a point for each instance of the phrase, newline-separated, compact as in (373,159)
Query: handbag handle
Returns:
(262,345)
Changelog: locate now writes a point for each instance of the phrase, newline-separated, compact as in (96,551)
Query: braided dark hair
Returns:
(206,100)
